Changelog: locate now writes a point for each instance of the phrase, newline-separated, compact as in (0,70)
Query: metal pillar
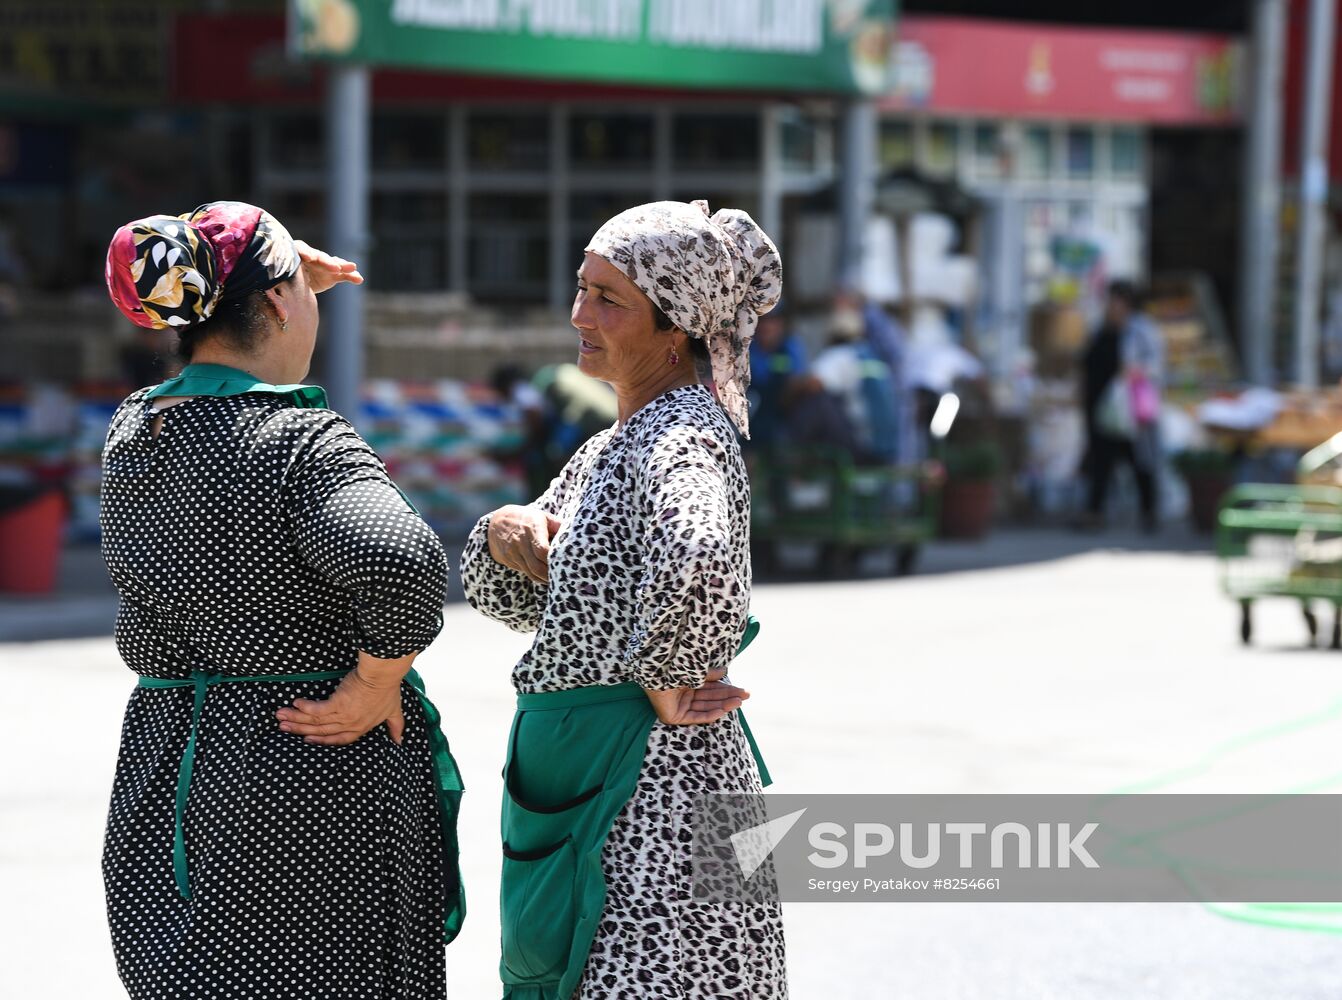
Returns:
(770,215)
(857,187)
(1262,192)
(346,232)
(1313,189)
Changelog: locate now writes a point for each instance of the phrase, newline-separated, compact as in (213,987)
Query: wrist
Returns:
(382,674)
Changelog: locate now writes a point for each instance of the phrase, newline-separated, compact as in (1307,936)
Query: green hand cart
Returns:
(1285,541)
(826,498)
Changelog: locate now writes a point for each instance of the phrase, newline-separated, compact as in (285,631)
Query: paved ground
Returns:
(1057,670)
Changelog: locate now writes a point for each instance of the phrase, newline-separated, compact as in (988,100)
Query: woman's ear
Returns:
(279,302)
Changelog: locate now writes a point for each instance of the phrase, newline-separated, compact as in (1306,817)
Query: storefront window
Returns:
(296,141)
(509,247)
(716,142)
(302,210)
(896,145)
(1125,153)
(409,251)
(511,142)
(1080,153)
(604,141)
(987,151)
(942,152)
(803,140)
(588,211)
(409,142)
(744,200)
(1036,152)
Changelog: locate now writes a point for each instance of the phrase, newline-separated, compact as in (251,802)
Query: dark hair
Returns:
(1128,293)
(237,323)
(698,349)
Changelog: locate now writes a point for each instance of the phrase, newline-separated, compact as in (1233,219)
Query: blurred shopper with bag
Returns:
(1122,373)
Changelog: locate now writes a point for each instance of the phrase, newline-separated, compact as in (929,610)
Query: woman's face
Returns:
(619,341)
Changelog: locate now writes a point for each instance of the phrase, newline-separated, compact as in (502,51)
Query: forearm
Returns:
(383,673)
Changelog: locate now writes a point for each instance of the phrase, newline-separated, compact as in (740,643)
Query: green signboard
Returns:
(836,46)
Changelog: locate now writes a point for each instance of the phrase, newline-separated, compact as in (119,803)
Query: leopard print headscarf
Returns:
(712,276)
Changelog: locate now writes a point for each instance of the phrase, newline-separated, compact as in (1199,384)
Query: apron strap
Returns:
(447,777)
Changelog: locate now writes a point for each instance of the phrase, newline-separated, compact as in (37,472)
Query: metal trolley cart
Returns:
(1285,541)
(824,497)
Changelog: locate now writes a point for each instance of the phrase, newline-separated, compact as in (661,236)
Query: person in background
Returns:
(777,380)
(513,388)
(855,376)
(1122,373)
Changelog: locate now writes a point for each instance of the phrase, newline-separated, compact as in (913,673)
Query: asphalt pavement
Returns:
(1038,662)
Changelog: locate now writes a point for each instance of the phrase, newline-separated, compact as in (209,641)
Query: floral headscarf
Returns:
(171,271)
(713,277)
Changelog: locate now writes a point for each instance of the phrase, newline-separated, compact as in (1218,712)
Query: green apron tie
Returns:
(447,778)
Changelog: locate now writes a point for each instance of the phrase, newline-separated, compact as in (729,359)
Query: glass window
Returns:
(588,211)
(1125,153)
(716,142)
(743,200)
(942,154)
(802,142)
(409,142)
(303,212)
(297,141)
(409,251)
(603,141)
(1036,152)
(509,246)
(517,142)
(1080,152)
(987,151)
(896,145)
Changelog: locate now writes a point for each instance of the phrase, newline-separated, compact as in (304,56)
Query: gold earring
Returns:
(673,358)
(284,324)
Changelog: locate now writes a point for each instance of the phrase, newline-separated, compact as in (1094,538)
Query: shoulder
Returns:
(277,422)
(123,417)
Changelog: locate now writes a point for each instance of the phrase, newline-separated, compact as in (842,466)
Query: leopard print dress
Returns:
(649,581)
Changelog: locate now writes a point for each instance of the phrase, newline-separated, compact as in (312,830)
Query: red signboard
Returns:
(968,66)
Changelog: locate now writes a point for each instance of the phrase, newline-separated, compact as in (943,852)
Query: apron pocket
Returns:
(537,906)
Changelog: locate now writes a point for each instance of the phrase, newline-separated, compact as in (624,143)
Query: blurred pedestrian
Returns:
(778,372)
(512,386)
(1122,375)
(276,815)
(862,383)
(633,570)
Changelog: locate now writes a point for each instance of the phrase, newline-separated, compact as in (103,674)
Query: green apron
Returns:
(219,380)
(574,758)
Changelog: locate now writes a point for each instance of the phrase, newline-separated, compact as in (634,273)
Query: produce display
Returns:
(452,447)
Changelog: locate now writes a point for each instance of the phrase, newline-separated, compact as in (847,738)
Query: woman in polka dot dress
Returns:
(276,827)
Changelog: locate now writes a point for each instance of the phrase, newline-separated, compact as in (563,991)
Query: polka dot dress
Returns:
(249,538)
(649,581)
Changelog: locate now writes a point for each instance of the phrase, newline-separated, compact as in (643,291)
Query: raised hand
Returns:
(324,271)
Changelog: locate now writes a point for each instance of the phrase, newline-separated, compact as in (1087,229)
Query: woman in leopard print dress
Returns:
(634,566)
